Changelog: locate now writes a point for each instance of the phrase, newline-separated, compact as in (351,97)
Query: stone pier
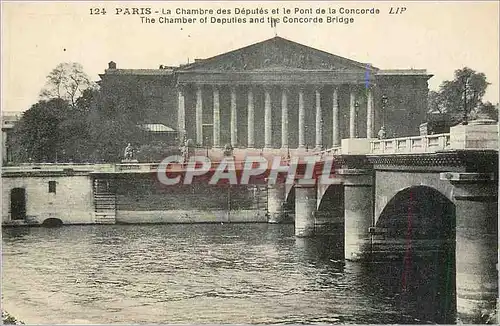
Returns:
(476,251)
(305,208)
(275,201)
(358,212)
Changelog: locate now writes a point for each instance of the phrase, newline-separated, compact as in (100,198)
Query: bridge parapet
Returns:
(477,135)
(415,144)
(56,168)
(330,152)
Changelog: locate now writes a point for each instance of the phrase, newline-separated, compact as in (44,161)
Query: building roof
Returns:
(404,72)
(9,118)
(142,72)
(157,127)
(274,54)
(282,49)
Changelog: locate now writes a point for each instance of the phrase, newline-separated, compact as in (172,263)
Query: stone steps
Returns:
(104,206)
(108,217)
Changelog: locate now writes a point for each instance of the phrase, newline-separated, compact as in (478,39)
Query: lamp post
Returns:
(465,80)
(356,107)
(384,104)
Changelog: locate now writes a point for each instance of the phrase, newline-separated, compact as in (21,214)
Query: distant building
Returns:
(273,94)
(9,119)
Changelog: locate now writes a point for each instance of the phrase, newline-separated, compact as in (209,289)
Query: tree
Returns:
(66,81)
(114,121)
(54,130)
(37,135)
(74,122)
(434,103)
(486,111)
(463,93)
(109,136)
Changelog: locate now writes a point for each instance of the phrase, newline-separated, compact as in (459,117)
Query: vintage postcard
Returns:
(245,162)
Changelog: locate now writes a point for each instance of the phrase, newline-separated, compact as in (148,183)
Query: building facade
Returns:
(9,119)
(272,94)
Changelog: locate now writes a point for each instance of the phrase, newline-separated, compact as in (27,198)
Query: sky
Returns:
(438,36)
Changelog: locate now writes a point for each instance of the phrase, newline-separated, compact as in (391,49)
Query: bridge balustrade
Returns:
(415,144)
(330,152)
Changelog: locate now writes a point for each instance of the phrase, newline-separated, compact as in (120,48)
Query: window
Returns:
(52,187)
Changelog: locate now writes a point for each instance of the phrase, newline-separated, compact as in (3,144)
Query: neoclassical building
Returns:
(273,94)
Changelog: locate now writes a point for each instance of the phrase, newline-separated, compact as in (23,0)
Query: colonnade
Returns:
(286,93)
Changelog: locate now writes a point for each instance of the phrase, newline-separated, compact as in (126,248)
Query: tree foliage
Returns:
(66,81)
(71,123)
(462,94)
(485,111)
(37,136)
(155,151)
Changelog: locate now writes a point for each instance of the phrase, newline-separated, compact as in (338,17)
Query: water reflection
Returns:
(231,273)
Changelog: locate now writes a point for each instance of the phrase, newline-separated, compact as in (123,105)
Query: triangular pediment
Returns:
(276,54)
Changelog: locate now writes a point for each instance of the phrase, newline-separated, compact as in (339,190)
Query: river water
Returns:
(203,273)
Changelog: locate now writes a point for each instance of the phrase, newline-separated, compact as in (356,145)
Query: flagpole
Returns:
(274,25)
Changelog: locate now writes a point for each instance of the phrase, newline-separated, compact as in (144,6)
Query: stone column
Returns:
(336,124)
(216,128)
(305,208)
(476,251)
(199,115)
(275,200)
(319,127)
(234,125)
(369,113)
(302,115)
(352,114)
(268,131)
(476,258)
(284,118)
(181,113)
(251,117)
(358,213)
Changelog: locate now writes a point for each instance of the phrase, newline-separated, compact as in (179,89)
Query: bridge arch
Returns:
(330,205)
(422,210)
(416,229)
(289,204)
(289,192)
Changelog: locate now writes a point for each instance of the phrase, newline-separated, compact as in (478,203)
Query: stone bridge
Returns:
(415,194)
(392,197)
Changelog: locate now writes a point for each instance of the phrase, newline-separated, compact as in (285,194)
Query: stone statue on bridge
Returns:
(228,150)
(381,133)
(129,155)
(129,152)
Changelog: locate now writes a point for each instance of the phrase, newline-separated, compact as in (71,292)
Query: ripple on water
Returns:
(241,273)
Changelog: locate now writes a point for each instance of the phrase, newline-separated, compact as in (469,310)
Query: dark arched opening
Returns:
(420,213)
(18,204)
(417,230)
(329,221)
(289,207)
(52,222)
(331,207)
